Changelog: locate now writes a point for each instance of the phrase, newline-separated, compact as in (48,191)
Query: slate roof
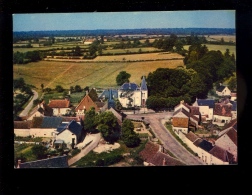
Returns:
(59,103)
(221,154)
(203,144)
(107,92)
(161,159)
(234,105)
(51,122)
(220,88)
(129,86)
(54,162)
(191,136)
(143,84)
(205,102)
(22,124)
(223,109)
(72,126)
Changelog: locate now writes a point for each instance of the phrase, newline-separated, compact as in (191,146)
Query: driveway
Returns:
(156,122)
(95,138)
(29,105)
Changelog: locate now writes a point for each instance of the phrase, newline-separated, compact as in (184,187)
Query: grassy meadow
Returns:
(66,74)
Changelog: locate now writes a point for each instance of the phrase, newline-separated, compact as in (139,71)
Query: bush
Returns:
(112,159)
(75,151)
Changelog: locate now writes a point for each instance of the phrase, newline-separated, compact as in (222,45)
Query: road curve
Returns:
(29,105)
(156,122)
(95,138)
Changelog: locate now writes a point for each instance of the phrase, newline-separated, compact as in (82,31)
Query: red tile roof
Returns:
(221,154)
(191,136)
(180,122)
(149,151)
(59,103)
(22,124)
(223,109)
(232,134)
(232,123)
(161,159)
(87,102)
(194,110)
(183,111)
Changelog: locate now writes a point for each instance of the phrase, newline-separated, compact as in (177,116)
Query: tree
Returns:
(77,88)
(122,77)
(108,126)
(18,83)
(232,84)
(77,51)
(36,102)
(39,151)
(129,137)
(47,90)
(42,86)
(59,88)
(90,120)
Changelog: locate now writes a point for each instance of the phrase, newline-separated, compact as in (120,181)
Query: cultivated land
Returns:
(227,38)
(92,74)
(222,48)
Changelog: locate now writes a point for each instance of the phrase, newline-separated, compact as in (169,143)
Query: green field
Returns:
(144,49)
(222,48)
(92,74)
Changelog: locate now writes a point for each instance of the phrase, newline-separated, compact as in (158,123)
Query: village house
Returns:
(208,152)
(59,106)
(228,138)
(42,109)
(44,126)
(131,95)
(22,128)
(233,96)
(222,113)
(153,155)
(90,100)
(70,133)
(185,117)
(223,91)
(206,107)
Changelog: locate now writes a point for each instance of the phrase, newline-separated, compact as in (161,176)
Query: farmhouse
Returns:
(90,100)
(42,109)
(222,113)
(223,91)
(131,95)
(206,107)
(59,106)
(228,138)
(153,155)
(70,133)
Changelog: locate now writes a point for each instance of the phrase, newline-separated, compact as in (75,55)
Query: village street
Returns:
(30,104)
(93,139)
(156,121)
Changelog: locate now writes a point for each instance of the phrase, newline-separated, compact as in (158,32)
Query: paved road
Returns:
(95,138)
(29,106)
(156,122)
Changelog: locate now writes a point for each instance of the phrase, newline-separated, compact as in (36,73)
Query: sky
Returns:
(124,20)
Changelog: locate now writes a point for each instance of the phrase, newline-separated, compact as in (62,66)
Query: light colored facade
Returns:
(43,132)
(131,95)
(223,91)
(67,136)
(59,106)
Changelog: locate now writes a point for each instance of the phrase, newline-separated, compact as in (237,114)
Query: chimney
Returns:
(18,165)
(164,162)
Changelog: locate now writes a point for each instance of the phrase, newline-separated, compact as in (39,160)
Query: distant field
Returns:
(93,74)
(227,38)
(222,48)
(144,49)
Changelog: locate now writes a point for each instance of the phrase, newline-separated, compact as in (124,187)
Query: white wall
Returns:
(208,158)
(219,118)
(22,132)
(36,114)
(59,111)
(67,136)
(46,132)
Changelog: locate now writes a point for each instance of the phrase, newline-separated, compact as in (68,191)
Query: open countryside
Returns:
(88,73)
